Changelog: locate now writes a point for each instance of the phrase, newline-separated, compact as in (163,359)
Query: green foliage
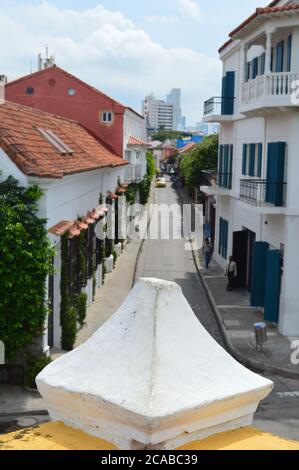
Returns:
(34,365)
(69,329)
(68,313)
(163,134)
(81,306)
(26,260)
(131,193)
(145,185)
(101,199)
(203,157)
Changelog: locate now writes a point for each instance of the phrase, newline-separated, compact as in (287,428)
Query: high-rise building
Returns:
(158,113)
(174,99)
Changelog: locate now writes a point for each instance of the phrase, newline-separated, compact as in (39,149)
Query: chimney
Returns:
(152,377)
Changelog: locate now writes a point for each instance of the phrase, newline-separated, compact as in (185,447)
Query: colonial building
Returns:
(256,184)
(119,127)
(78,175)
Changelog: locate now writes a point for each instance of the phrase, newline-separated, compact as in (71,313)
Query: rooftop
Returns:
(25,136)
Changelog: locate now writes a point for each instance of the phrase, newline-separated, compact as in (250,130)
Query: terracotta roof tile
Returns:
(134,141)
(61,228)
(271,8)
(34,155)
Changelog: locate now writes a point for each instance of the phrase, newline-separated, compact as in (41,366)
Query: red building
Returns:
(56,91)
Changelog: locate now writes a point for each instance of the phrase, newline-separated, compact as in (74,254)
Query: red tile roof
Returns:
(271,8)
(34,155)
(187,148)
(137,142)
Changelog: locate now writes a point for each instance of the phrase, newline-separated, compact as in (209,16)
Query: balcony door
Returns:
(275,173)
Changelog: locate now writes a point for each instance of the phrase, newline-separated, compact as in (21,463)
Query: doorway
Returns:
(243,245)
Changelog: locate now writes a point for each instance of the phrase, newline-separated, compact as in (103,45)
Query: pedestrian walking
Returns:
(208,252)
(232,273)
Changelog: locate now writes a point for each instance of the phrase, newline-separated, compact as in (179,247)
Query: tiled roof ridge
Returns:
(271,8)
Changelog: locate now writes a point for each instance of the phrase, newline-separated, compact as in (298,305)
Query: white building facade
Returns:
(256,184)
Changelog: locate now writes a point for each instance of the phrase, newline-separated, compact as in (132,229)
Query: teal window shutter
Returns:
(244,160)
(225,239)
(220,166)
(252,159)
(255,63)
(275,173)
(272,59)
(258,277)
(228,94)
(260,160)
(230,167)
(289,60)
(279,56)
(272,289)
(225,166)
(263,61)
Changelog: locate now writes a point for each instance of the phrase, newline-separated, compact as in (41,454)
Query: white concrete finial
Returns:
(151,377)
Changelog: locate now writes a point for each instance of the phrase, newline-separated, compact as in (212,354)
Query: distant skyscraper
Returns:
(174,99)
(158,113)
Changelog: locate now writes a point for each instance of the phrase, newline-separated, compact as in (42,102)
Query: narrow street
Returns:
(168,259)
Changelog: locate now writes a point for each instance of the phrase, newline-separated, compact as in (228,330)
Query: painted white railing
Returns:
(274,84)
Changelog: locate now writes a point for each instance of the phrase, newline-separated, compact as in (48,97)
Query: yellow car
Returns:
(161,182)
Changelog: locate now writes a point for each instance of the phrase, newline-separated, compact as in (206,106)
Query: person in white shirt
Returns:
(232,273)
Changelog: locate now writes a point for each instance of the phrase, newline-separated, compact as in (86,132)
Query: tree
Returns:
(163,134)
(203,157)
(25,261)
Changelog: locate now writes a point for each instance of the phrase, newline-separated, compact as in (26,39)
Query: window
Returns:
(30,90)
(56,141)
(223,237)
(107,117)
(252,160)
(71,92)
(225,166)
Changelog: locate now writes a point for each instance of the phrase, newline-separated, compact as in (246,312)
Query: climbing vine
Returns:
(26,261)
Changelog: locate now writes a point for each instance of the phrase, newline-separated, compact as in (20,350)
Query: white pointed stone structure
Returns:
(151,377)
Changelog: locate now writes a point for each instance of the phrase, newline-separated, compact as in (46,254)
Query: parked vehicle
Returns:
(161,182)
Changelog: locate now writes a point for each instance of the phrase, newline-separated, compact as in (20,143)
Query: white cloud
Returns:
(107,50)
(191,9)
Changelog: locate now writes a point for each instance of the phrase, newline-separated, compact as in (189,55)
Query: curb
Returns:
(257,366)
(143,240)
(24,414)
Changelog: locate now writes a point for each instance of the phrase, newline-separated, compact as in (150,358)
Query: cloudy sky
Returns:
(127,48)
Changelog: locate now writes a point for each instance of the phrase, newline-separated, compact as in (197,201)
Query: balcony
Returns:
(218,109)
(133,173)
(269,197)
(270,92)
(215,184)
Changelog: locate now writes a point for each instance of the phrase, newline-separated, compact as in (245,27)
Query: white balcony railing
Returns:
(280,85)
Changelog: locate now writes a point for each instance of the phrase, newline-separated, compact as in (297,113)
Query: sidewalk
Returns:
(236,319)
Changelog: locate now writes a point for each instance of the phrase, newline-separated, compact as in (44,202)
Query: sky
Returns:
(126,48)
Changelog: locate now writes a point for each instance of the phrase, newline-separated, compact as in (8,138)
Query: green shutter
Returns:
(275,173)
(225,166)
(252,159)
(260,160)
(244,160)
(272,290)
(263,61)
(258,280)
(220,166)
(220,235)
(289,61)
(279,56)
(230,167)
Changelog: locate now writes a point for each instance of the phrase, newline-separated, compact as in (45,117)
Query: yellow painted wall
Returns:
(57,436)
